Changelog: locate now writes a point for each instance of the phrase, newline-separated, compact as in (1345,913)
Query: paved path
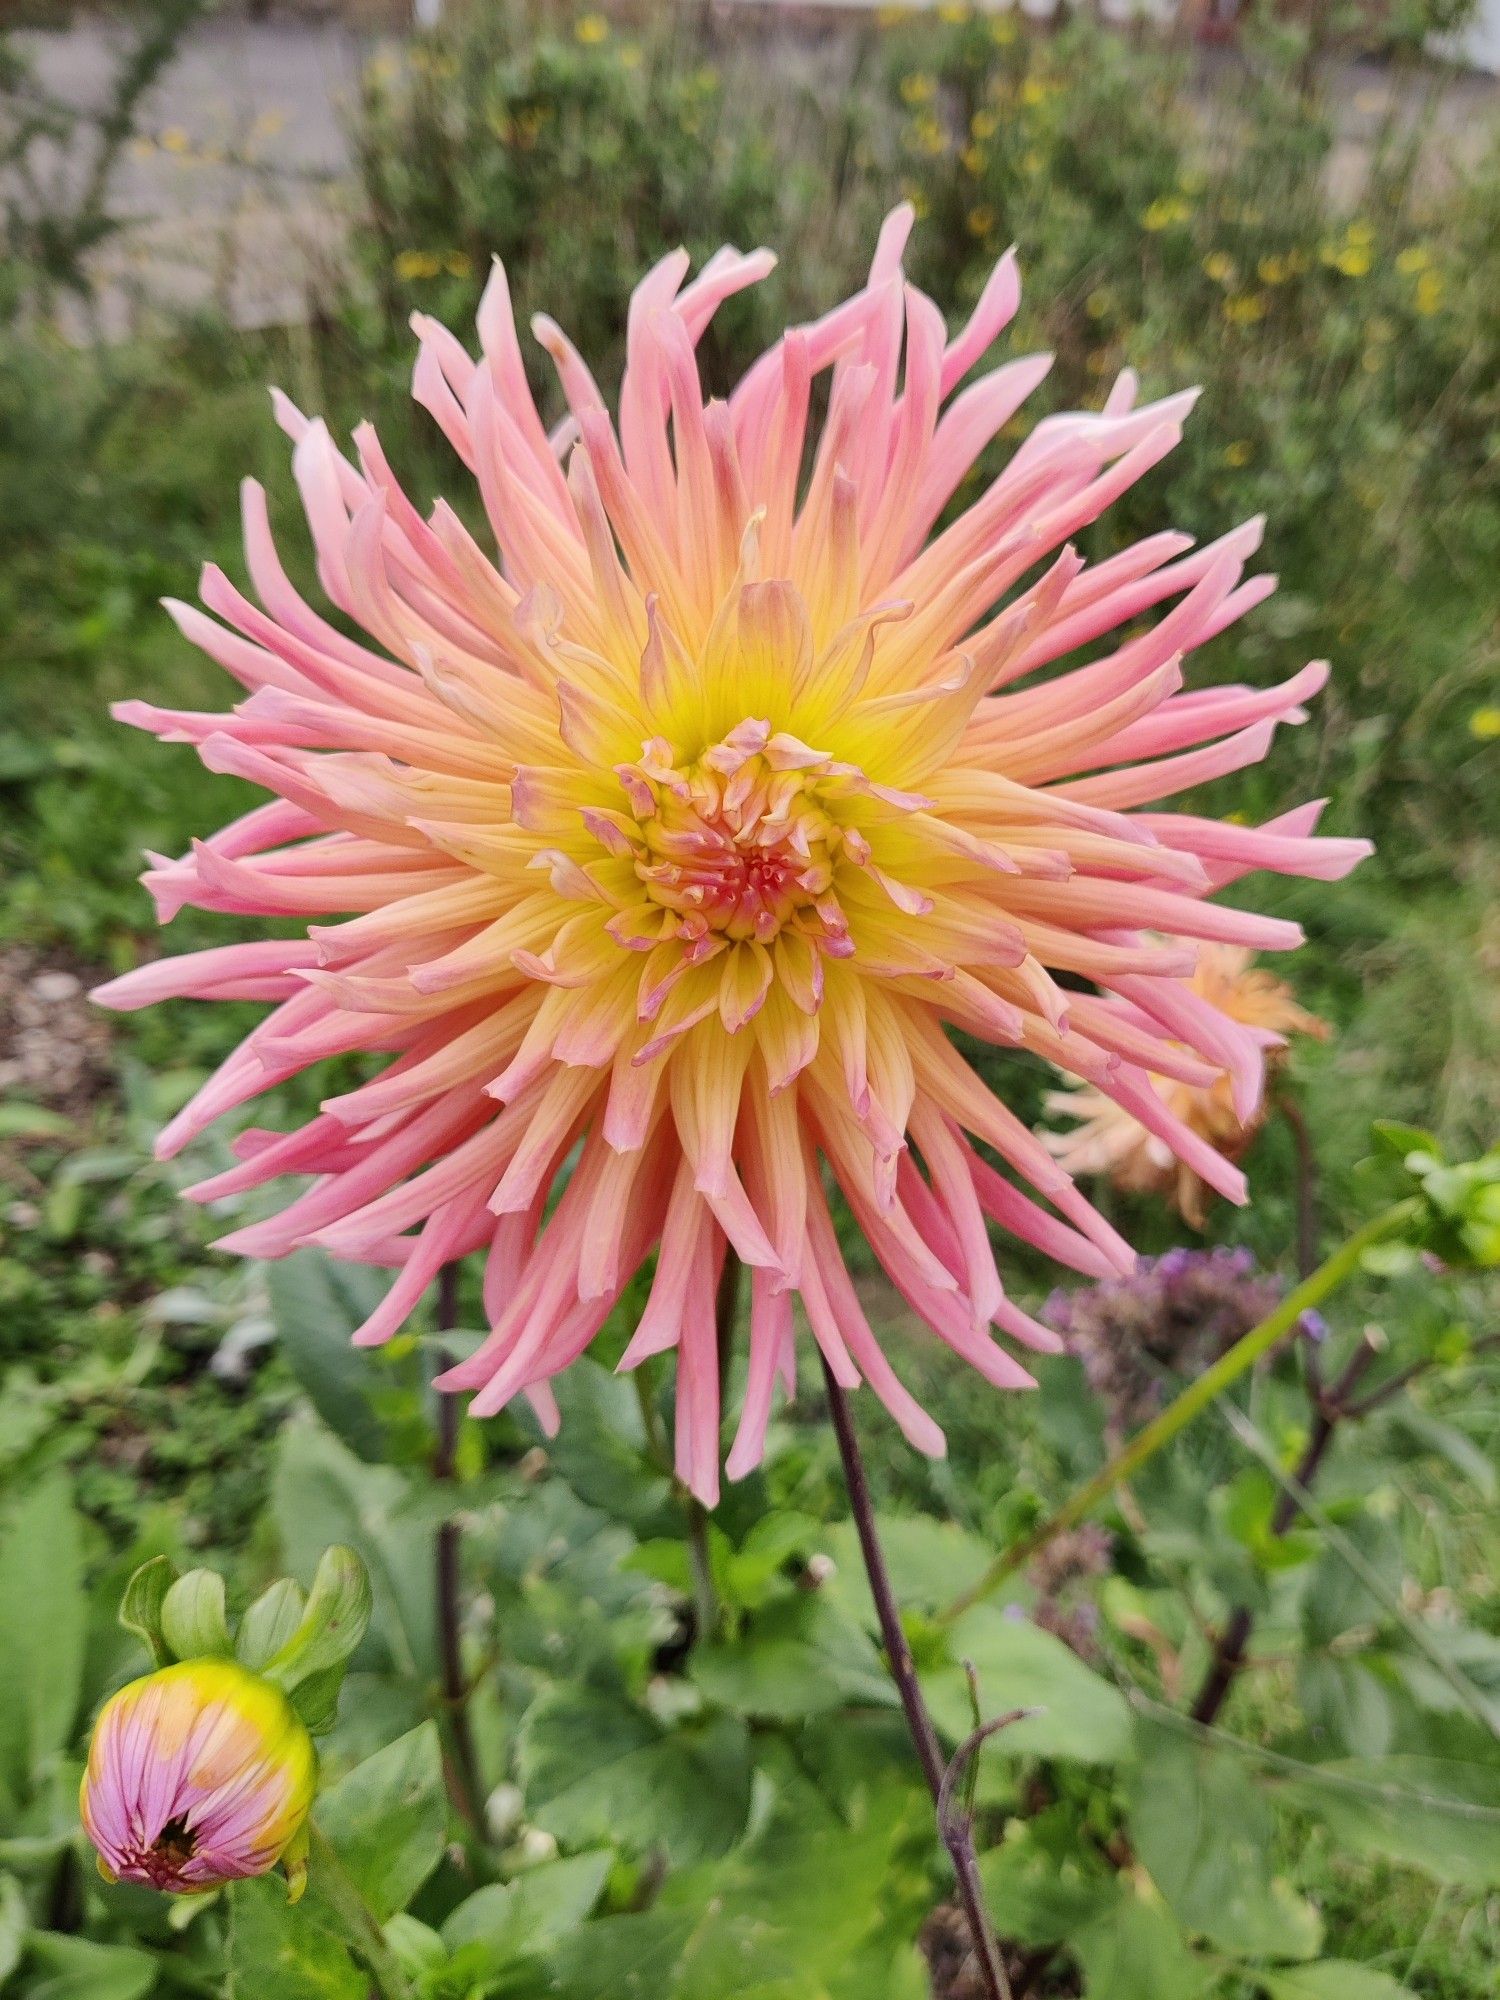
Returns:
(237,197)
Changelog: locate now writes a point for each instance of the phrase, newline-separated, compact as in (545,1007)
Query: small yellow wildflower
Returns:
(458,263)
(1036,90)
(954,12)
(973,158)
(928,136)
(1360,232)
(591,29)
(1485,724)
(1353,260)
(1272,270)
(1238,452)
(1244,309)
(1429,294)
(984,125)
(1413,261)
(630,55)
(1219,266)
(891,17)
(918,87)
(980,221)
(1096,305)
(1032,162)
(1165,212)
(414,264)
(174,140)
(1002,30)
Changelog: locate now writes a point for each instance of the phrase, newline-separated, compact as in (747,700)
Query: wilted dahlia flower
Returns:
(198,1774)
(1111,1139)
(666,844)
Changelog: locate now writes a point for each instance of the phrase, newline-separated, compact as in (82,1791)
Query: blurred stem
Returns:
(1330,1408)
(463,1765)
(360,1924)
(1307,1184)
(1226,1371)
(954,1827)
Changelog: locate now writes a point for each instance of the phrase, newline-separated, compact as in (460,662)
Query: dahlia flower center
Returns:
(734,842)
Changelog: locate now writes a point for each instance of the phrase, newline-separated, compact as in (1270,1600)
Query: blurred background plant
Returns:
(722,1794)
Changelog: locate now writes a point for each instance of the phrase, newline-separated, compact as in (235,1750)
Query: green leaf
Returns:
(1205,1831)
(140,1607)
(32,1121)
(509,1920)
(1332,1979)
(1044,1882)
(43,1620)
(192,1616)
(799,1657)
(75,1968)
(387,1820)
(14,1924)
(931,1563)
(595,1769)
(275,1949)
(1440,1815)
(269,1623)
(1135,1951)
(316,1304)
(1080,1715)
(334,1621)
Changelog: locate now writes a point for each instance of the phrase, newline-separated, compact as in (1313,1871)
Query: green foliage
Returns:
(668,1811)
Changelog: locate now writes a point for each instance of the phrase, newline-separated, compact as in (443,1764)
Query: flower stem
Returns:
(359,1922)
(464,1781)
(954,1827)
(1329,1276)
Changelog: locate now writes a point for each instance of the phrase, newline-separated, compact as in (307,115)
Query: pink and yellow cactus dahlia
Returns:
(197,1774)
(666,849)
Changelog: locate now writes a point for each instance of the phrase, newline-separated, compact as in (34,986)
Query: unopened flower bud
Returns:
(198,1774)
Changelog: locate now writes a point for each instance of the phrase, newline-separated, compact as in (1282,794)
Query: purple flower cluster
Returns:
(1173,1315)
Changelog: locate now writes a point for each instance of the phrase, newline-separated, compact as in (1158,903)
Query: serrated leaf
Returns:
(272,1948)
(388,1818)
(75,1968)
(1079,1715)
(507,1920)
(798,1657)
(1204,1831)
(316,1305)
(596,1768)
(1440,1815)
(1135,1951)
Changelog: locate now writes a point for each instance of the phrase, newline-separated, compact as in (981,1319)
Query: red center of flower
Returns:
(732,843)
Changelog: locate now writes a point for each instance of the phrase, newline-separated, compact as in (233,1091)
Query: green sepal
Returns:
(294,1863)
(270,1623)
(193,1619)
(334,1622)
(141,1606)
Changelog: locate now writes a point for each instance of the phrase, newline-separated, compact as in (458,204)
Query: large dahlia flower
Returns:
(660,850)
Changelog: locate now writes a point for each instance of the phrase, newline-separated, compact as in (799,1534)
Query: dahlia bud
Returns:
(198,1774)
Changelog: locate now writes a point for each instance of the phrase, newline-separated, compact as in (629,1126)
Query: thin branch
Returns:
(955,1830)
(464,1781)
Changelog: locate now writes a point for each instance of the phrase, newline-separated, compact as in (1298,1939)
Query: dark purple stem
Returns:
(941,1776)
(464,1780)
